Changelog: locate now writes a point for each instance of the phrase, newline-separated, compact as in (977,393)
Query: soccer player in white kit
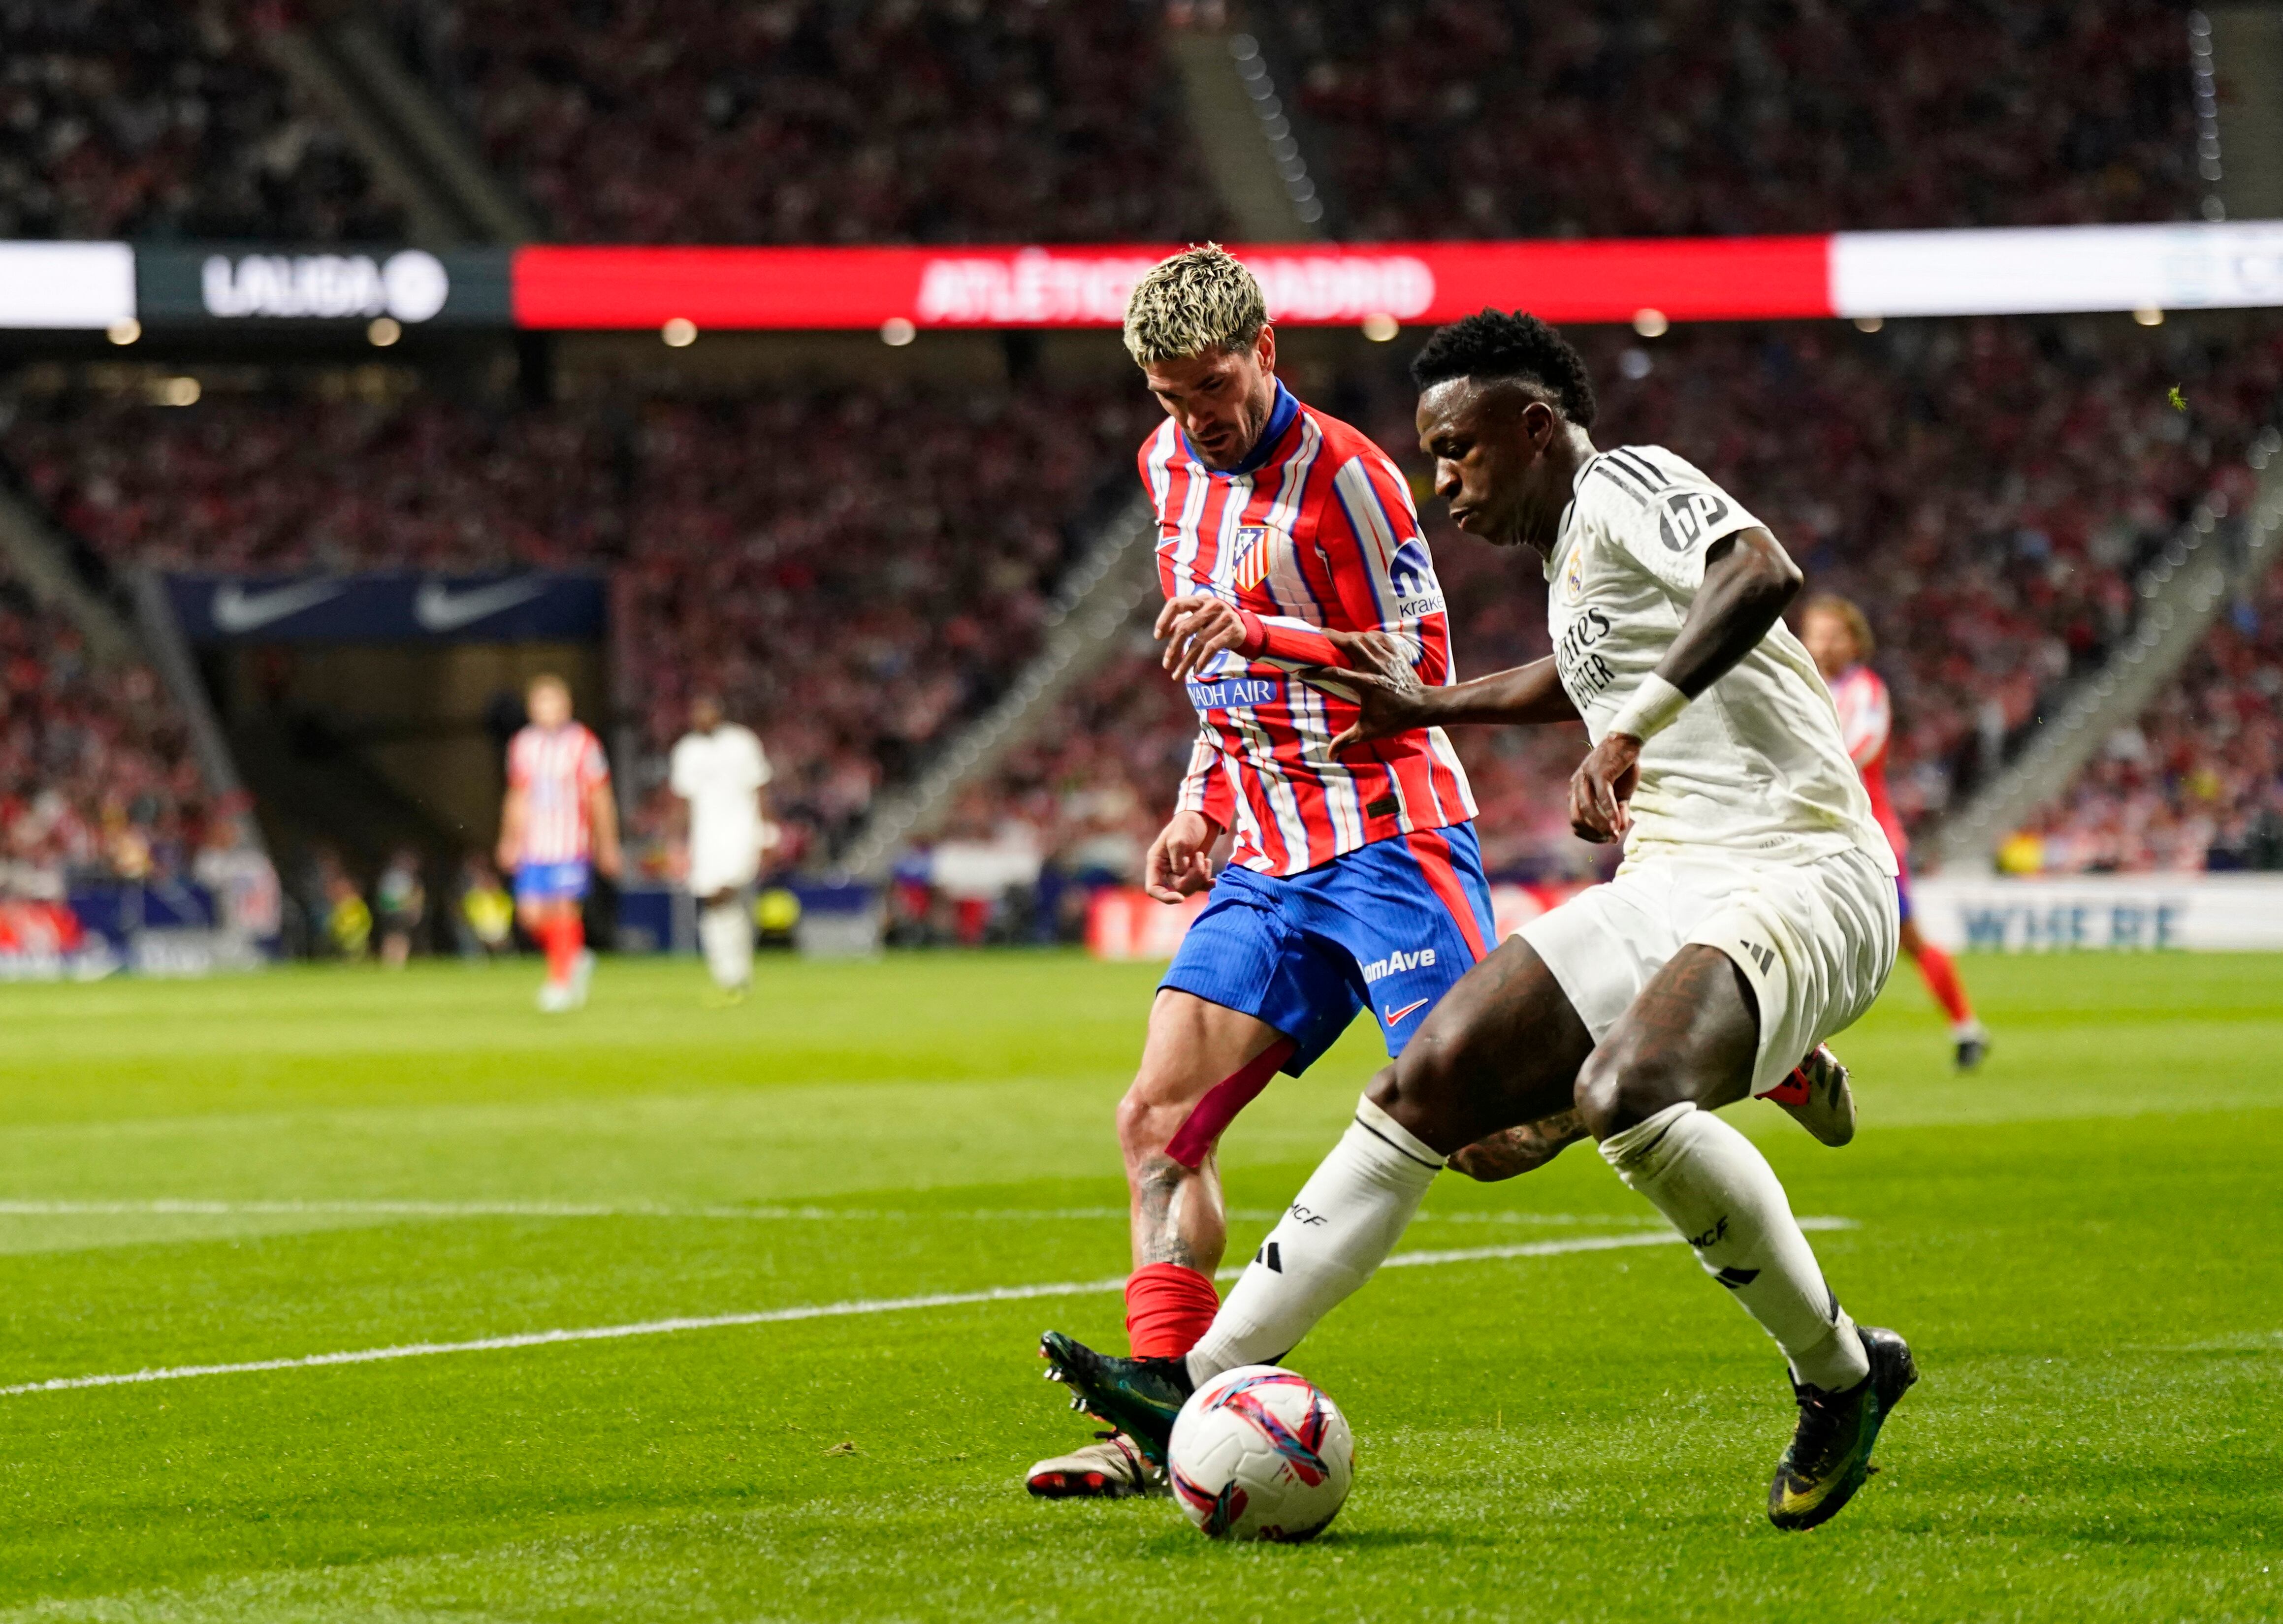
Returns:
(721,771)
(1755,913)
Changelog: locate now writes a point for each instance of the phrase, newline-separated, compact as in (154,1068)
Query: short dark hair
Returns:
(1495,344)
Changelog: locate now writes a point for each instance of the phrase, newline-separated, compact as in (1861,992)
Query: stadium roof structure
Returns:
(96,286)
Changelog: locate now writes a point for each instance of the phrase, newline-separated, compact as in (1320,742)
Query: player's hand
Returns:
(504,855)
(608,863)
(1518,1150)
(1601,788)
(1387,688)
(1195,627)
(1178,864)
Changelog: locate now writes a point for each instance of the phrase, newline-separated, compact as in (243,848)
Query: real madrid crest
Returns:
(1258,546)
(1573,573)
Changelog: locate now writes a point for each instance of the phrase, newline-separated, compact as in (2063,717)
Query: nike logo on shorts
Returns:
(1395,1016)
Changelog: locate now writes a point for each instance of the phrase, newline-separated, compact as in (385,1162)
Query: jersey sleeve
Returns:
(1866,717)
(1663,512)
(762,771)
(1380,568)
(1204,785)
(594,767)
(679,777)
(518,762)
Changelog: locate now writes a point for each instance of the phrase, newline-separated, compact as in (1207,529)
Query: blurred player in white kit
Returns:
(719,768)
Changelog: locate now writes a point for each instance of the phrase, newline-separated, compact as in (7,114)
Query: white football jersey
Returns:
(719,774)
(1757,766)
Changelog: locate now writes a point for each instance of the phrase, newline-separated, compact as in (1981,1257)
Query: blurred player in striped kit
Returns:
(720,770)
(557,827)
(1838,635)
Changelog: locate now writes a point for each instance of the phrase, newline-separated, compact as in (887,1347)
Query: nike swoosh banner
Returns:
(540,606)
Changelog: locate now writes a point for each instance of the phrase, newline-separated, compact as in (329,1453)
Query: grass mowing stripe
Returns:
(817,1310)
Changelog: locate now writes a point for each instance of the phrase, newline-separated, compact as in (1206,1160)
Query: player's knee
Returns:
(1423,1088)
(1623,1083)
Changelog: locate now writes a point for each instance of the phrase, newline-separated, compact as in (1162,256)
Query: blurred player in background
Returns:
(720,770)
(1838,635)
(558,825)
(1354,877)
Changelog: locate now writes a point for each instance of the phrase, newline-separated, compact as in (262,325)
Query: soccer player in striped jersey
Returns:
(1353,877)
(558,824)
(1838,635)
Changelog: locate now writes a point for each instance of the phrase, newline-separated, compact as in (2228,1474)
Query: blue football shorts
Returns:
(1393,924)
(551,881)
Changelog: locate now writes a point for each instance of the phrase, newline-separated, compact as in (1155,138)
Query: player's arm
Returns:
(1749,580)
(1365,524)
(1376,668)
(513,812)
(603,815)
(1179,863)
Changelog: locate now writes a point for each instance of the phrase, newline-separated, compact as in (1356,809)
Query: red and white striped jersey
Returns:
(1867,721)
(557,769)
(1315,529)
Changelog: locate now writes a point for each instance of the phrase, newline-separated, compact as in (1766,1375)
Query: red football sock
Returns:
(1167,1308)
(563,937)
(1942,980)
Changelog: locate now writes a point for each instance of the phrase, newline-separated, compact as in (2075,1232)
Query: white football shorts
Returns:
(1816,940)
(723,866)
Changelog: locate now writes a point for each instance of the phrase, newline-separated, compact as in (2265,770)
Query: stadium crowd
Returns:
(96,775)
(2197,782)
(874,578)
(802,121)
(1492,117)
(127,119)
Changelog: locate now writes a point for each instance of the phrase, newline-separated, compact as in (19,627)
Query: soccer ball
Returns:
(1259,1453)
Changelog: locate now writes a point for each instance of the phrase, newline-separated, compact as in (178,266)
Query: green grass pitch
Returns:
(2084,1243)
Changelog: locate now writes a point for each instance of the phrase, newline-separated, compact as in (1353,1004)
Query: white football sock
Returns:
(1344,1223)
(726,932)
(1721,1194)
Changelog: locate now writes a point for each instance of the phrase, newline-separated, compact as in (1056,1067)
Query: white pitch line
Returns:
(822,1310)
(198,1208)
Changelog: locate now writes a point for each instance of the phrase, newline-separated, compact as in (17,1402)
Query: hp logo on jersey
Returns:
(1688,516)
(1258,548)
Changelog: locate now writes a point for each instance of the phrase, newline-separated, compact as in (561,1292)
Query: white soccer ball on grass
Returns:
(1259,1453)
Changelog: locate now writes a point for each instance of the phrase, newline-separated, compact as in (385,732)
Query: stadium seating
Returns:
(706,121)
(1489,117)
(2198,783)
(128,118)
(95,774)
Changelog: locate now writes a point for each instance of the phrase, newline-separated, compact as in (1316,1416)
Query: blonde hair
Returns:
(1201,299)
(1859,624)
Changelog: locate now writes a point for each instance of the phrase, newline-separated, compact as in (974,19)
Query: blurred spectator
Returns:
(145,119)
(826,122)
(1612,118)
(483,924)
(401,904)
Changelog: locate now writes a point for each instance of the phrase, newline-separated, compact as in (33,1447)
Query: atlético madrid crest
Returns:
(1258,546)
